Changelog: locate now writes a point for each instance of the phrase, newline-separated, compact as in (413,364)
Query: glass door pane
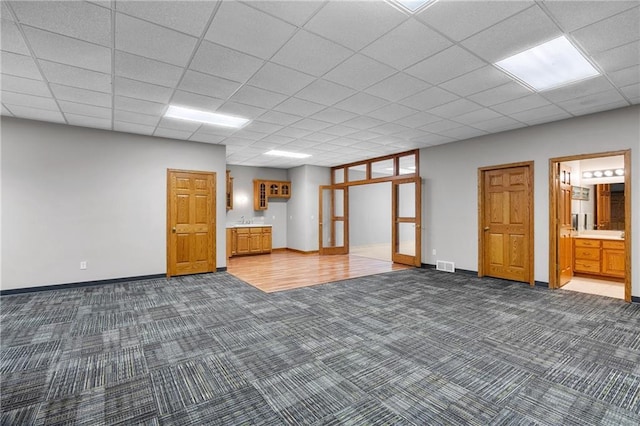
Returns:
(333,220)
(406,234)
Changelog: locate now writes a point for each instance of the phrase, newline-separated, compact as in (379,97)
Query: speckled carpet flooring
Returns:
(410,347)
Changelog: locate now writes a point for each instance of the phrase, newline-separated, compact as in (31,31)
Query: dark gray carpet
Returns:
(411,347)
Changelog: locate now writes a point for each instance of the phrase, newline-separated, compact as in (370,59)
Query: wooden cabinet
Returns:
(249,240)
(599,257)
(265,189)
(229,191)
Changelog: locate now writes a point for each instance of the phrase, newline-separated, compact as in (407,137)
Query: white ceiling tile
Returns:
(514,35)
(208,85)
(333,115)
(445,65)
(340,130)
(135,118)
(320,137)
(572,15)
(172,133)
(152,41)
(11,39)
(294,12)
(5,13)
(532,116)
(311,124)
(632,92)
(406,44)
(499,124)
(31,101)
(396,87)
(619,57)
(206,138)
(148,70)
(140,90)
(361,103)
(589,102)
(277,139)
(247,134)
(581,88)
(359,72)
(363,122)
(178,124)
(69,51)
(36,114)
(233,141)
(83,96)
(81,20)
(133,128)
(389,129)
(627,76)
(311,54)
(223,62)
(261,127)
(410,134)
(521,104)
(325,92)
(392,112)
(476,81)
(598,108)
(440,126)
(611,32)
(84,109)
(428,99)
(281,118)
(355,24)
(241,110)
(460,19)
(193,100)
(76,77)
(500,94)
(85,121)
(217,130)
(24,85)
(292,132)
(455,108)
(173,14)
(20,65)
(240,27)
(257,97)
(477,116)
(138,105)
(280,79)
(299,106)
(434,139)
(464,132)
(417,120)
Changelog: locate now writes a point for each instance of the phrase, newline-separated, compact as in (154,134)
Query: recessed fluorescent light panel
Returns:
(412,6)
(287,154)
(205,117)
(548,66)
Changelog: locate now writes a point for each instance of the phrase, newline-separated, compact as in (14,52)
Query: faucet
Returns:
(242,219)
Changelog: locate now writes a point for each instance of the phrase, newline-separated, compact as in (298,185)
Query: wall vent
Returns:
(442,265)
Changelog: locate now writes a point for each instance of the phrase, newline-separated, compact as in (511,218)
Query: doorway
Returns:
(191,222)
(597,238)
(505,222)
(333,232)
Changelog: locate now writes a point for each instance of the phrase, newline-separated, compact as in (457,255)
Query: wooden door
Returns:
(191,225)
(406,218)
(506,248)
(565,227)
(603,206)
(242,241)
(333,230)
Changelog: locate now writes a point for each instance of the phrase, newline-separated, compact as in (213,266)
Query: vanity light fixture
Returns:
(287,154)
(205,117)
(549,65)
(411,6)
(619,172)
(602,173)
(608,173)
(597,173)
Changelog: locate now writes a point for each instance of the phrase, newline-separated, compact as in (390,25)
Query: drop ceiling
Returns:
(340,80)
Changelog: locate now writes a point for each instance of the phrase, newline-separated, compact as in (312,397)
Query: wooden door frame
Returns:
(554,269)
(481,215)
(344,249)
(213,212)
(417,221)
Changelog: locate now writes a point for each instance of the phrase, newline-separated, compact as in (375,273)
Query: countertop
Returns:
(600,237)
(248,225)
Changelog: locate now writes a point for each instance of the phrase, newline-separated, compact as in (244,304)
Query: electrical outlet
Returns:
(83,264)
(433,252)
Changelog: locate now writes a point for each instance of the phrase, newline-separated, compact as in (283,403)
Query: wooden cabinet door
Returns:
(603,206)
(242,241)
(285,190)
(266,240)
(274,189)
(255,240)
(565,249)
(259,195)
(613,262)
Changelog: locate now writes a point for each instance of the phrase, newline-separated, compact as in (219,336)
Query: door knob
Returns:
(486,228)
(173,230)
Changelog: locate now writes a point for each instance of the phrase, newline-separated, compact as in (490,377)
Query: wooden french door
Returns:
(406,232)
(506,222)
(191,224)
(333,232)
(565,226)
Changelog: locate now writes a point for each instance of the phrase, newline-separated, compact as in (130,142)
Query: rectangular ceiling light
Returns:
(205,117)
(548,66)
(287,154)
(412,6)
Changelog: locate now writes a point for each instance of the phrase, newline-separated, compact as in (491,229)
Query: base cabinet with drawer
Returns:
(250,240)
(599,257)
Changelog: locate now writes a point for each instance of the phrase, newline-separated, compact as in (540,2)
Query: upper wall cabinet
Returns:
(265,189)
(229,191)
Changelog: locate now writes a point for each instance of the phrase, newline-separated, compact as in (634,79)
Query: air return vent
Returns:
(441,265)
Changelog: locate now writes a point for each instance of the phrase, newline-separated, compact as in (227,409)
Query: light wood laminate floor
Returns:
(285,270)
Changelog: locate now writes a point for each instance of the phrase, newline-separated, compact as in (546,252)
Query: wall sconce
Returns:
(603,173)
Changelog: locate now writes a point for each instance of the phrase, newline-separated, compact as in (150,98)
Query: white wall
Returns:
(450,182)
(370,214)
(276,213)
(71,194)
(302,227)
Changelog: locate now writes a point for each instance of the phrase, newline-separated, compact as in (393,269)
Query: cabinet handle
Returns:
(173,230)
